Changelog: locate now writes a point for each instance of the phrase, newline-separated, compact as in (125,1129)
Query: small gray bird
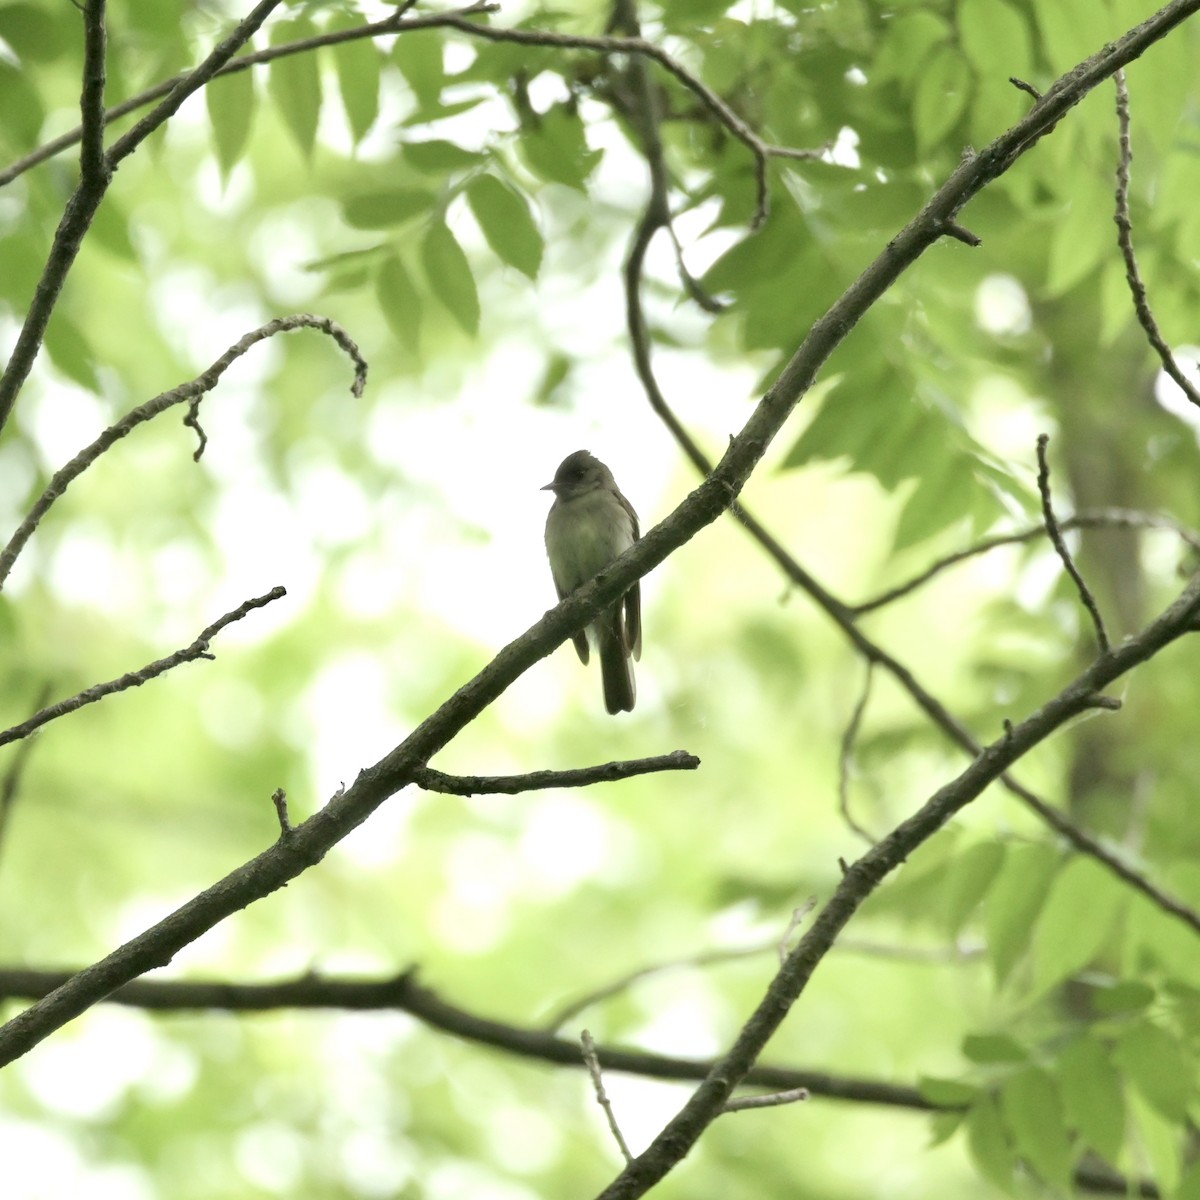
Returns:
(589,525)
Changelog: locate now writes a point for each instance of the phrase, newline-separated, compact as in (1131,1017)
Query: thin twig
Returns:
(783,947)
(771,1100)
(1060,545)
(11,783)
(191,393)
(846,756)
(279,800)
(623,983)
(512,785)
(1091,518)
(592,1062)
(198,649)
(1022,86)
(1124,223)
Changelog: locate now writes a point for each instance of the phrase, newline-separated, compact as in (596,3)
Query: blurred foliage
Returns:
(461,206)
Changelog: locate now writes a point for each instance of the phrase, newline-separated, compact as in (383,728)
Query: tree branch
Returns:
(1105,518)
(1133,274)
(1060,545)
(403,993)
(198,649)
(191,393)
(511,785)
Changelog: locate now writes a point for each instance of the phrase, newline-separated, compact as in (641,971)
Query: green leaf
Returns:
(295,84)
(385,207)
(1034,1116)
(1014,900)
(1092,1096)
(34,34)
(22,108)
(989,1144)
(507,223)
(71,352)
(1075,922)
(970,875)
(1159,1139)
(942,497)
(993,1048)
(449,276)
(436,157)
(943,90)
(1071,30)
(1128,996)
(1159,1066)
(949,1093)
(110,229)
(1083,237)
(419,57)
(231,101)
(357,65)
(556,148)
(991,32)
(399,302)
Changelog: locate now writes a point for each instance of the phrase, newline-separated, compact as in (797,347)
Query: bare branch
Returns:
(771,1100)
(11,782)
(592,1062)
(198,649)
(1124,222)
(511,785)
(1060,545)
(279,799)
(846,756)
(624,982)
(1111,518)
(94,171)
(191,392)
(404,993)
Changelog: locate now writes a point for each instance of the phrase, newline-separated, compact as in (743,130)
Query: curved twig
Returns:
(191,393)
(1060,545)
(1133,274)
(1089,518)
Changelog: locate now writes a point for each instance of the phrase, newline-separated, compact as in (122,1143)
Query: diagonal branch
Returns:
(511,785)
(191,393)
(1089,518)
(198,649)
(310,841)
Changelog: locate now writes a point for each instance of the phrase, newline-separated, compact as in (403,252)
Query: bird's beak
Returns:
(546,487)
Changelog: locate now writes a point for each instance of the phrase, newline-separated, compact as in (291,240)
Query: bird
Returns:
(589,525)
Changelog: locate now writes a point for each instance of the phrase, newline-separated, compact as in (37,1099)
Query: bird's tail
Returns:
(616,666)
